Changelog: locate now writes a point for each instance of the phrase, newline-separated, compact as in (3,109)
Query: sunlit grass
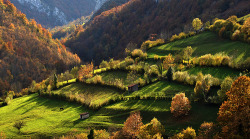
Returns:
(204,43)
(163,89)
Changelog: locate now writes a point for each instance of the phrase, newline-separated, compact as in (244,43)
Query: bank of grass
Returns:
(163,89)
(92,95)
(122,75)
(218,72)
(43,117)
(204,43)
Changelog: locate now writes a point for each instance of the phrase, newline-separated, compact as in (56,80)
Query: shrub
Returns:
(206,130)
(149,44)
(101,134)
(156,57)
(151,129)
(180,105)
(188,133)
(225,87)
(104,64)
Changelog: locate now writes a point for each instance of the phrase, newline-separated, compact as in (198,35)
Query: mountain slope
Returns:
(27,50)
(109,33)
(52,13)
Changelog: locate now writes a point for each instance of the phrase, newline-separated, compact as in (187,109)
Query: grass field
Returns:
(218,72)
(163,88)
(92,94)
(112,75)
(202,44)
(43,117)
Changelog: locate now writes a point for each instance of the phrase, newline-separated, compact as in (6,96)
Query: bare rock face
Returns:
(51,13)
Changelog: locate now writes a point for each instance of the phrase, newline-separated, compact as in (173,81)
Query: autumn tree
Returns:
(233,114)
(225,87)
(132,125)
(151,129)
(197,24)
(202,86)
(187,53)
(85,72)
(55,81)
(180,105)
(168,62)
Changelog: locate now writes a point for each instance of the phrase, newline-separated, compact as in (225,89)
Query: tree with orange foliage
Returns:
(180,105)
(86,72)
(234,114)
(168,62)
(131,127)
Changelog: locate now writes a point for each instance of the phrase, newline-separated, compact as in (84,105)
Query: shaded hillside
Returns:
(109,33)
(27,50)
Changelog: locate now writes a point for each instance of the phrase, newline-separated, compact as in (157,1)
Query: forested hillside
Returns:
(109,33)
(27,50)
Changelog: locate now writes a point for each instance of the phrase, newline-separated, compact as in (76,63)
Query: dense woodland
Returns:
(27,50)
(110,32)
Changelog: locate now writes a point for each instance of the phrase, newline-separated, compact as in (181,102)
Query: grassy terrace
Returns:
(218,72)
(43,117)
(204,43)
(92,94)
(163,88)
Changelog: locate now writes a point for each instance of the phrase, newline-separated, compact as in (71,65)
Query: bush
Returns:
(180,105)
(225,87)
(104,64)
(101,134)
(149,44)
(188,133)
(139,53)
(151,129)
(206,130)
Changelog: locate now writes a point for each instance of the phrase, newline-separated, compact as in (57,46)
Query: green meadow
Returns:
(202,44)
(43,117)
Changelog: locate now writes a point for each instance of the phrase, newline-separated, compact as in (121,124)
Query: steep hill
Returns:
(27,50)
(109,33)
(52,13)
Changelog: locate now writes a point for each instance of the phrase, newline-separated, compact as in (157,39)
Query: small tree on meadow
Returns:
(18,125)
(197,24)
(187,53)
(132,125)
(202,86)
(180,105)
(170,74)
(55,81)
(168,62)
(85,72)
